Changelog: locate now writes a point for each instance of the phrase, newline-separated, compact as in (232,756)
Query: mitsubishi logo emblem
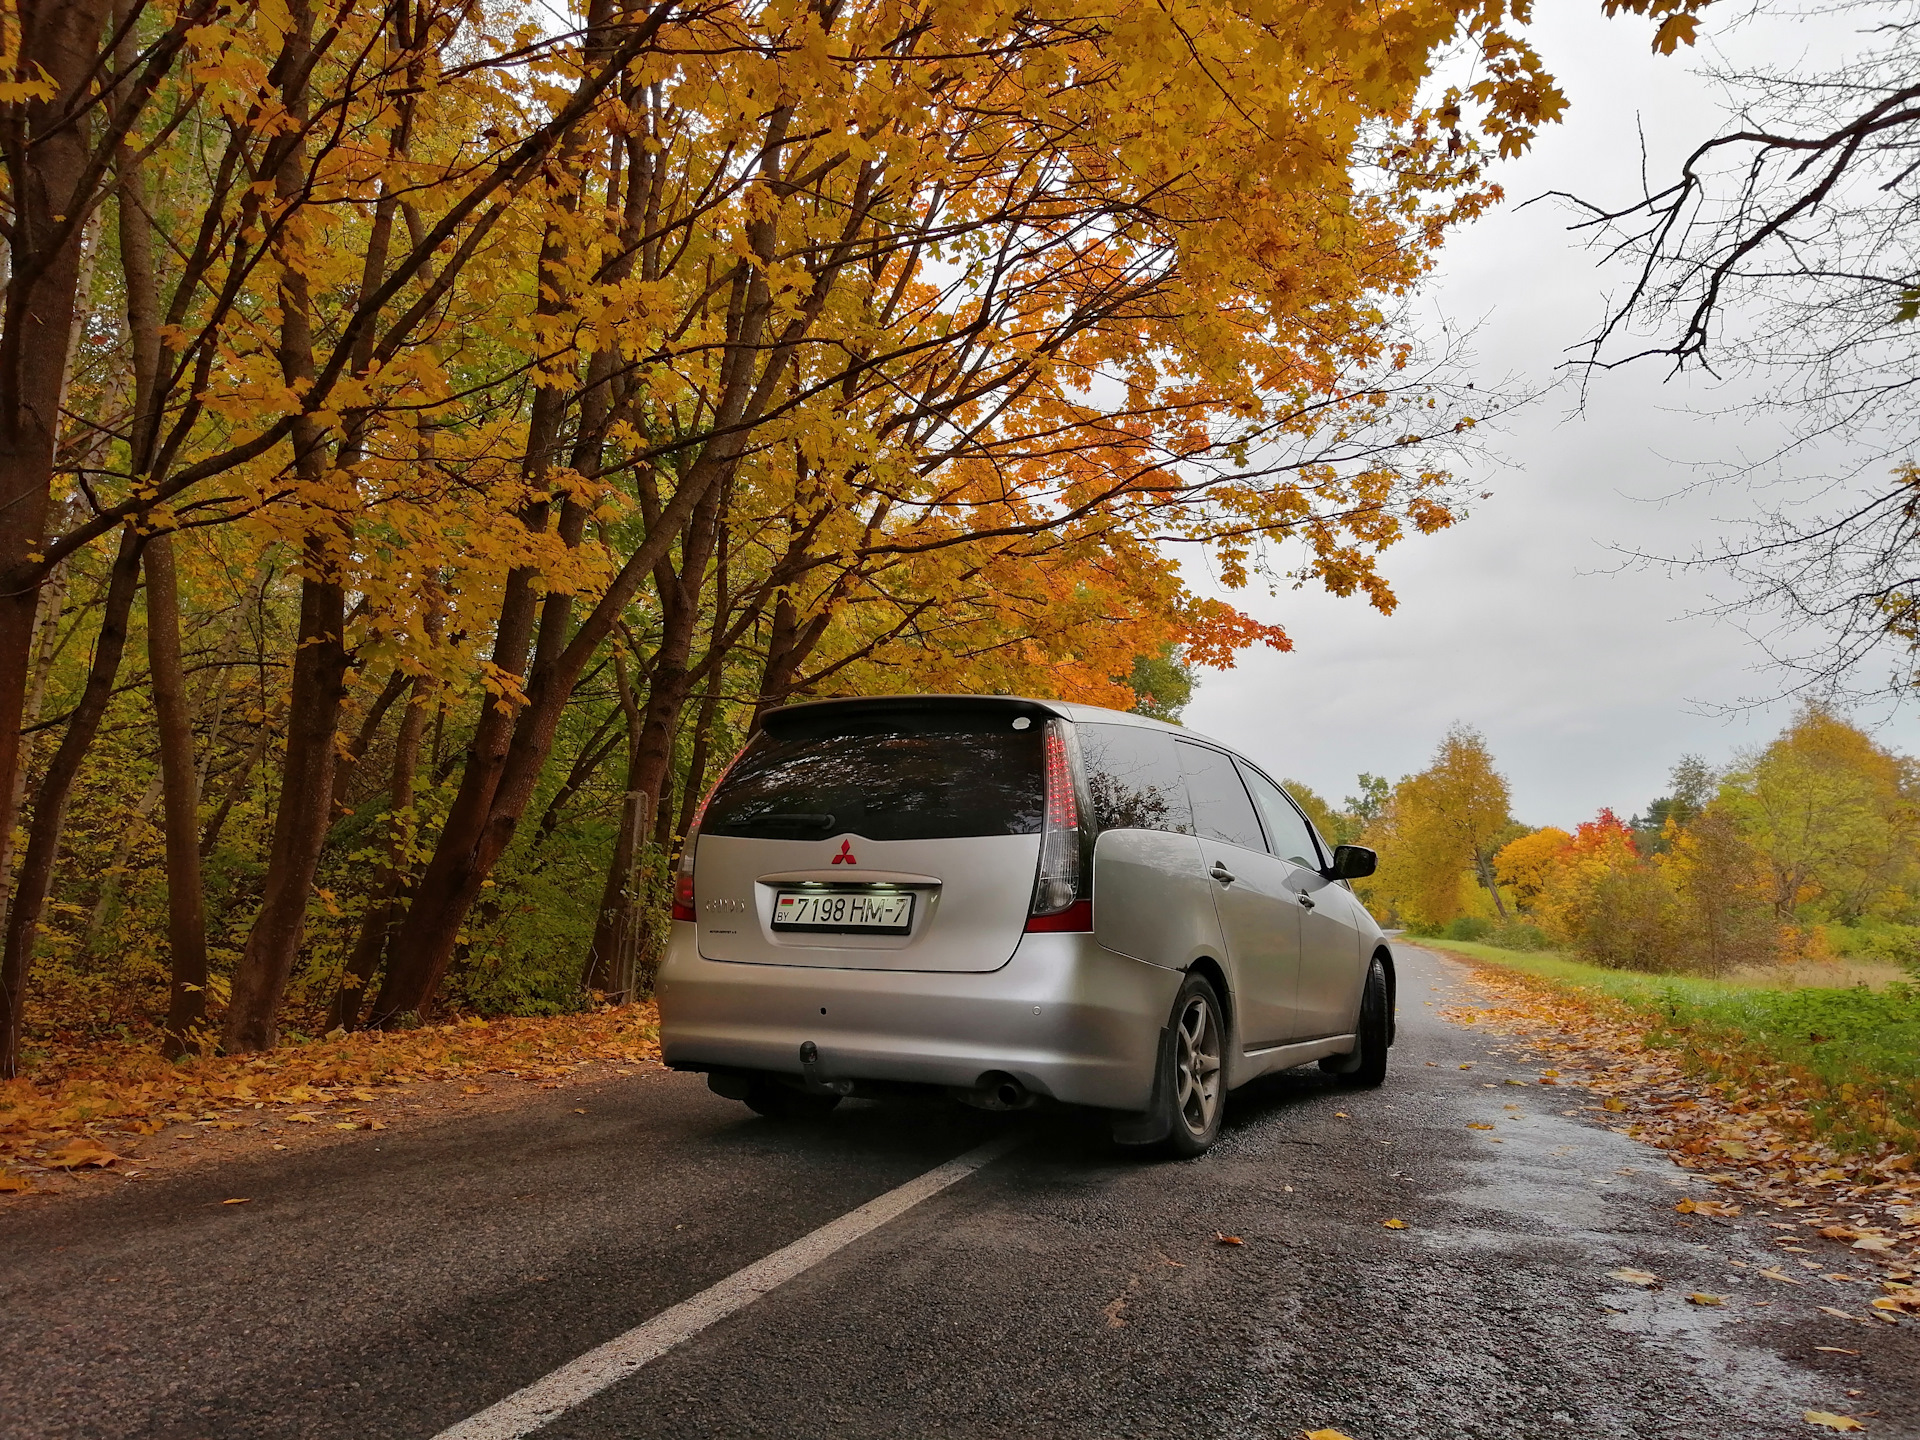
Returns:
(845,857)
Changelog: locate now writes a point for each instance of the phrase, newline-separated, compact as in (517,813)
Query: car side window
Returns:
(1133,778)
(1221,809)
(1287,830)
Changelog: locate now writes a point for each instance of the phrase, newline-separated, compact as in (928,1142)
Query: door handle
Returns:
(1306,900)
(1222,874)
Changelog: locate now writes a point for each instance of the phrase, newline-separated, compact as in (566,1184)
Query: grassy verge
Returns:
(1849,1059)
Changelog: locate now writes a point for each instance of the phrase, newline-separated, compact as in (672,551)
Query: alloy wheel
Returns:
(1198,1066)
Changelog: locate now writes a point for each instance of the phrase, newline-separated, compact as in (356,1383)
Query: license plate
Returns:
(851,912)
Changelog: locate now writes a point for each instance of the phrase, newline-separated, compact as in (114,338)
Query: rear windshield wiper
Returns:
(795,822)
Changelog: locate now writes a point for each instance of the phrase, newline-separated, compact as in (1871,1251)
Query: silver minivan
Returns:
(1010,900)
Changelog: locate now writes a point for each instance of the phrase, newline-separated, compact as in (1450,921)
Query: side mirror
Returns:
(1352,862)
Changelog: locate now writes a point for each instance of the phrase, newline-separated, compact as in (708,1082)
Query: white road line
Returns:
(525,1411)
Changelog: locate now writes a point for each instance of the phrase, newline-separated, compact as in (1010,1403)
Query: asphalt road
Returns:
(391,1287)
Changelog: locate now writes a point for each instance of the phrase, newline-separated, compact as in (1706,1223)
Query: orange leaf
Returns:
(1828,1420)
(79,1152)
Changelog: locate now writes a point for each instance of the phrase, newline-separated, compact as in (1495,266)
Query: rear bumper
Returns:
(1064,1017)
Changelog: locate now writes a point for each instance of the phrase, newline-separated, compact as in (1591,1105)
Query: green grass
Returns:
(1849,1056)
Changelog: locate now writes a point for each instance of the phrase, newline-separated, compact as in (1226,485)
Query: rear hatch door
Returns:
(885,837)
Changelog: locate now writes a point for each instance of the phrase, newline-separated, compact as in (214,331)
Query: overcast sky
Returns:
(1589,679)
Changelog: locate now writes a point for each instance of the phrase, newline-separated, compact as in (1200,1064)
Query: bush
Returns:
(1882,940)
(1630,922)
(1519,936)
(1468,927)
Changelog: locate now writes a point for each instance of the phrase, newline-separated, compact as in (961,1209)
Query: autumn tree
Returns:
(1832,813)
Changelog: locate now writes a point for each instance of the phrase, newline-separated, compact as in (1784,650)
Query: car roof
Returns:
(1015,704)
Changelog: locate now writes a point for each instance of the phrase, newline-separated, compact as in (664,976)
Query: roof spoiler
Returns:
(791,719)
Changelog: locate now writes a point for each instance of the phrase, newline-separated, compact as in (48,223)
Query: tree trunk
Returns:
(383,909)
(300,821)
(172,711)
(650,759)
(613,919)
(46,159)
(698,758)
(1485,866)
(320,660)
(186,903)
(50,801)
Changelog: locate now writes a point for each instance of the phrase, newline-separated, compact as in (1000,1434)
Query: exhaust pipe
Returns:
(997,1090)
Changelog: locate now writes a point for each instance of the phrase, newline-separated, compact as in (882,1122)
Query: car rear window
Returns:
(1133,777)
(894,777)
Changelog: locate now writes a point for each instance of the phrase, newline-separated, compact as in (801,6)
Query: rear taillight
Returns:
(1058,883)
(683,875)
(683,879)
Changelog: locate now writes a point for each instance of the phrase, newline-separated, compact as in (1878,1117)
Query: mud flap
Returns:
(1152,1125)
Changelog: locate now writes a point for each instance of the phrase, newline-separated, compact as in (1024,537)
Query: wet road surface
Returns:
(395,1286)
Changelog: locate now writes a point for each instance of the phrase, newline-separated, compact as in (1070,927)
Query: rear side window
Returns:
(1221,809)
(917,777)
(1133,778)
(1287,830)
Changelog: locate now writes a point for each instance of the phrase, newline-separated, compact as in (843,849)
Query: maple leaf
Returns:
(1827,1420)
(1691,1205)
(80,1152)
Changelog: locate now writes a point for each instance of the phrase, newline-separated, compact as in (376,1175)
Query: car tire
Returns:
(785,1102)
(1192,1083)
(1366,1067)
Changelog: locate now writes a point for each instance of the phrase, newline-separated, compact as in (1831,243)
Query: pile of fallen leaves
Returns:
(90,1105)
(1739,1119)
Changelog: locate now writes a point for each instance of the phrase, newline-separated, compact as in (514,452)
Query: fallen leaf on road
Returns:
(1476,1125)
(239,1200)
(473,1089)
(1696,1298)
(1831,1421)
(1220,1239)
(1634,1277)
(305,1118)
(1784,1279)
(1394,1224)
(1468,1066)
(1328,1435)
(1691,1206)
(1613,1103)
(1841,1314)
(15,1185)
(346,1125)
(76,1153)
